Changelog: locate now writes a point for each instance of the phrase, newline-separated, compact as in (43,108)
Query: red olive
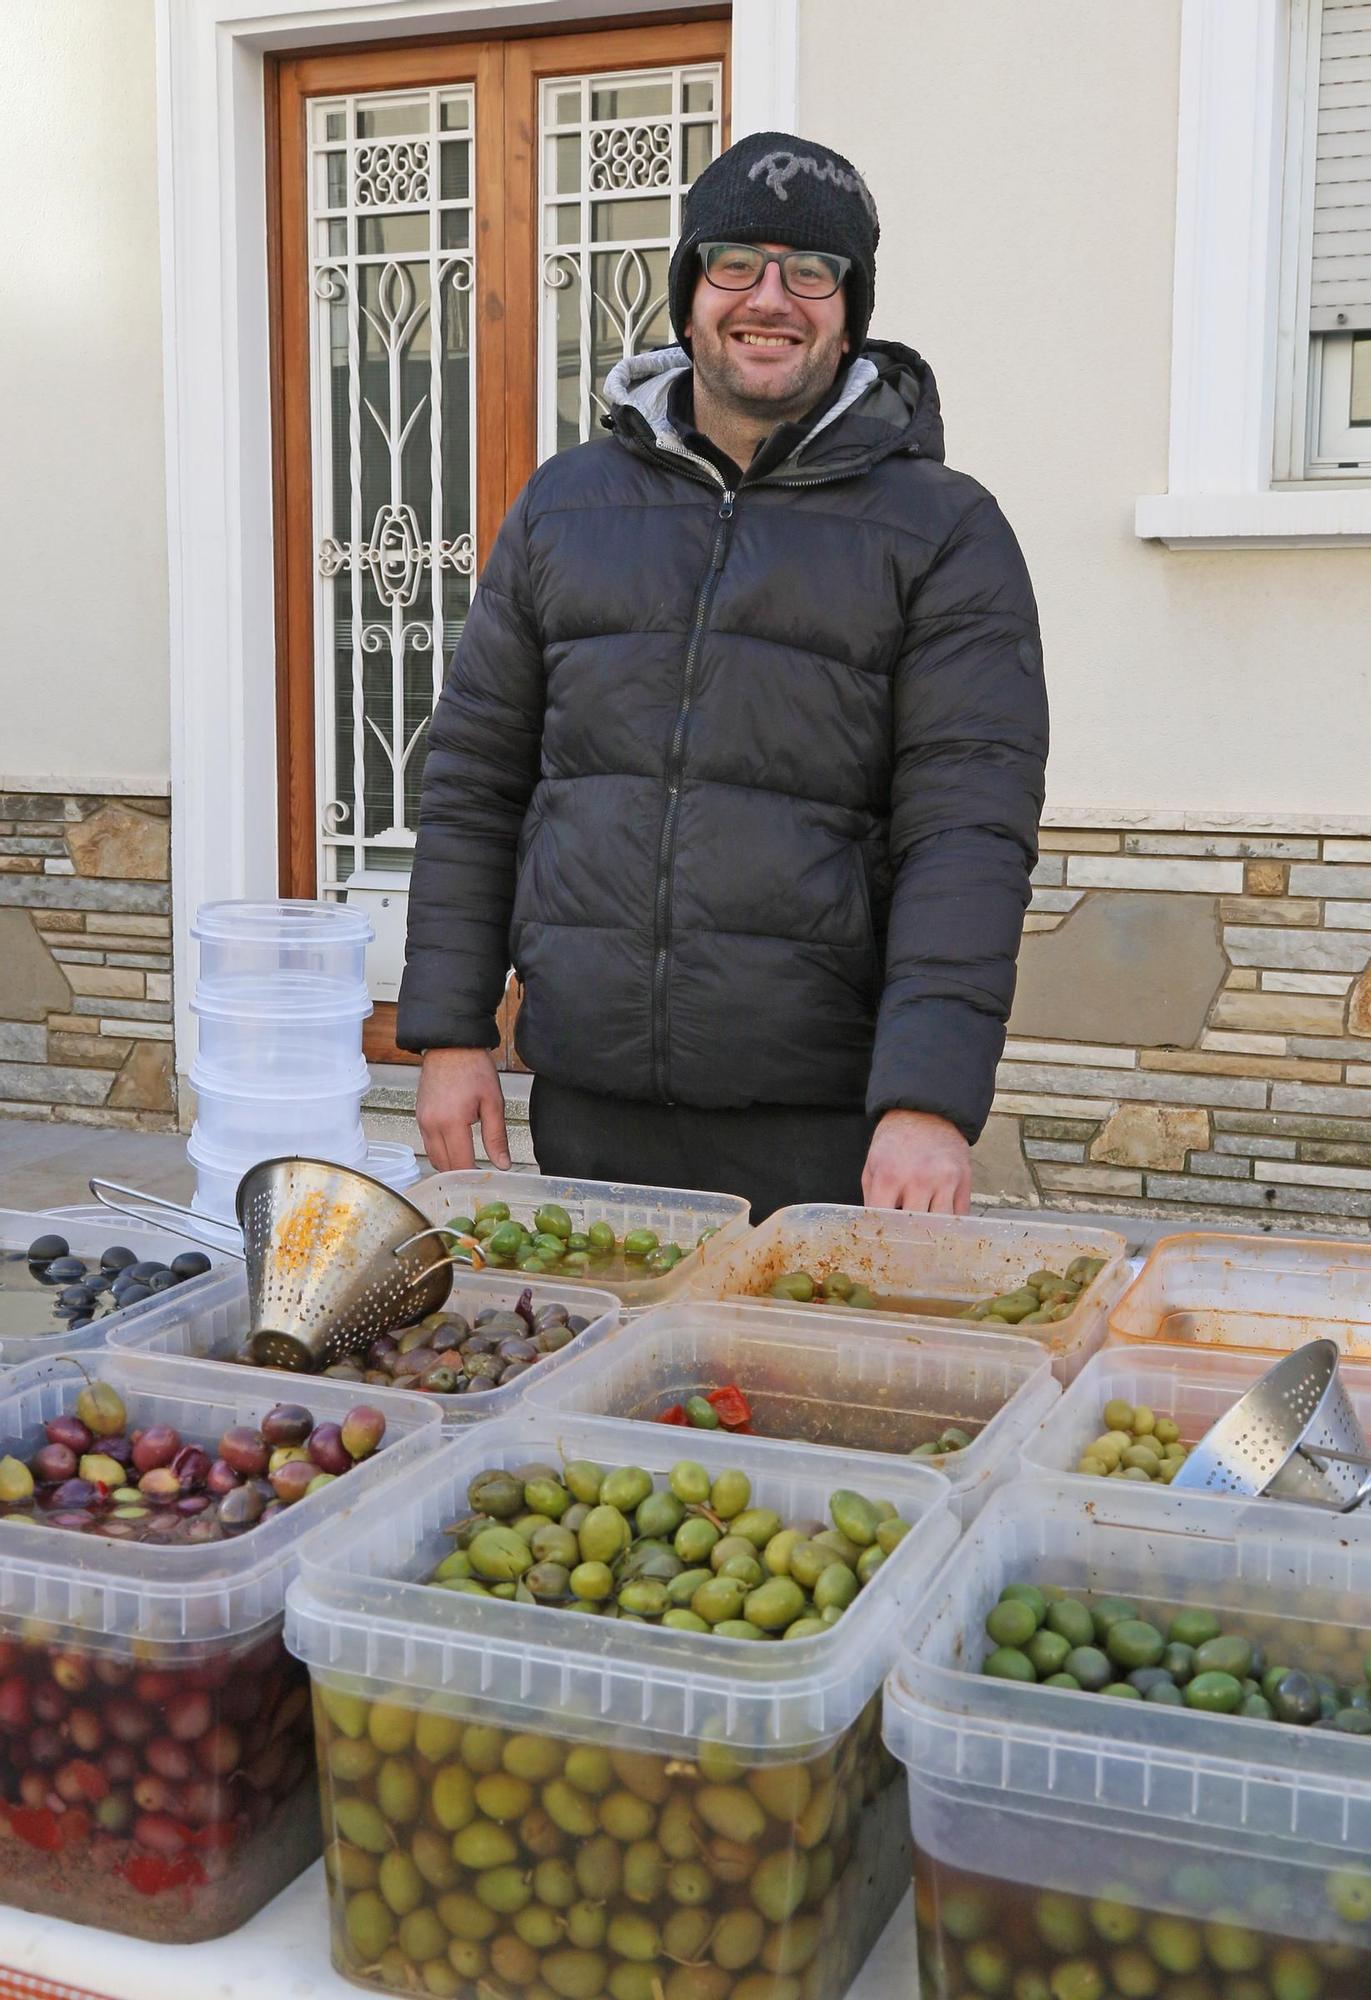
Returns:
(218,1750)
(221,1477)
(288,1423)
(45,1743)
(159,1832)
(156,1446)
(290,1481)
(85,1730)
(118,1763)
(168,1759)
(71,1432)
(189,1714)
(14,1703)
(127,1720)
(246,1450)
(153,1794)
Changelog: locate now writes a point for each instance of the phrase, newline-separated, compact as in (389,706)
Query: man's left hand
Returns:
(919,1162)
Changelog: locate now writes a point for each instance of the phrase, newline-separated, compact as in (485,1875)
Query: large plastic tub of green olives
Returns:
(1081,1846)
(623,1809)
(1144,1393)
(156,1758)
(930,1268)
(813,1377)
(598,1218)
(213,1328)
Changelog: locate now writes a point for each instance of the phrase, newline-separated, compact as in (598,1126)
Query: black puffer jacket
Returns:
(746,785)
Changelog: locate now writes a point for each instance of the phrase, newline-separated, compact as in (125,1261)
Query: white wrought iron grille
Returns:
(391,180)
(617,155)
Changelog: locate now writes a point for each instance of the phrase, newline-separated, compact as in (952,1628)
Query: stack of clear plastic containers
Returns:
(280,1004)
(1080,1846)
(156,1756)
(577,1805)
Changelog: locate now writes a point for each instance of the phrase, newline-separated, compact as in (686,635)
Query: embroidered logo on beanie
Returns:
(782,167)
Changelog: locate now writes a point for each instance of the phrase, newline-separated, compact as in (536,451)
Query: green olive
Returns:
(398,1791)
(370,1925)
(854,1517)
(432,1857)
(626,1817)
(721,1598)
(694,1540)
(360,1823)
(588,1768)
(537,1926)
(400,1883)
(732,1811)
(504,1889)
(640,1242)
(554,1883)
(569,1809)
(778,1884)
(601,1237)
(738,1628)
(660,1515)
(689,1883)
(689,1482)
(701,1414)
(499,1555)
(625,1488)
(574,1975)
(730,1494)
(645,1598)
(592,1582)
(599,1868)
(586,1924)
(352,1761)
(604,1535)
(452,1797)
(738,1939)
(582,1480)
(682,1588)
(745,1570)
(837,1586)
(777,1604)
(462,1916)
(783,1790)
(796,1286)
(645,1871)
(633,1935)
(484,1845)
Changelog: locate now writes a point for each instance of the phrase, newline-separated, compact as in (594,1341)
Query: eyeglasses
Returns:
(806,274)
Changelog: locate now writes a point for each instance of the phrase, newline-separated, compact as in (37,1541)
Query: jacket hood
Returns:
(889,403)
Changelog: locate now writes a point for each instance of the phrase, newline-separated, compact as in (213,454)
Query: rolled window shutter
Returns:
(1340,291)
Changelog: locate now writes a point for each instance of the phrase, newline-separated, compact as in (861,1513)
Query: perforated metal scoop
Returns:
(333,1259)
(1293,1436)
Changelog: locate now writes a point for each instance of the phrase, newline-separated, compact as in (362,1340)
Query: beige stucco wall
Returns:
(83,615)
(1024,160)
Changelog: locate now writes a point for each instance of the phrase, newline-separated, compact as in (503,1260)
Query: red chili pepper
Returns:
(675,1415)
(730,1406)
(149,1873)
(37,1826)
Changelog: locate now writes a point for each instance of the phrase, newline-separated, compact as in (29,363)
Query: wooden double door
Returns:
(466,236)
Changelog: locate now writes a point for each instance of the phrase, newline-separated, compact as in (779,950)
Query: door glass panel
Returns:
(394,459)
(630,162)
(1361,380)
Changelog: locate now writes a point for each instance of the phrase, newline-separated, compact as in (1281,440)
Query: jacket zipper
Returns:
(666,852)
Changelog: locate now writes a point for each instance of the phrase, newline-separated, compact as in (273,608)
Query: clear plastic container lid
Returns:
(815,1378)
(124,1591)
(292,999)
(352,1081)
(289,921)
(360,1612)
(207,1155)
(396,1165)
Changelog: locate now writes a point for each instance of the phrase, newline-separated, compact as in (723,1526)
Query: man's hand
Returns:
(459,1088)
(920,1162)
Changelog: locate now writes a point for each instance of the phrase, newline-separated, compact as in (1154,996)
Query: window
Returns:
(1326,353)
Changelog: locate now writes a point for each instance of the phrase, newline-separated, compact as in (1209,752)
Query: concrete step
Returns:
(388,1112)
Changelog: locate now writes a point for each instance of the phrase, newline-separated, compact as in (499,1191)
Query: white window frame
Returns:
(1235,415)
(216,384)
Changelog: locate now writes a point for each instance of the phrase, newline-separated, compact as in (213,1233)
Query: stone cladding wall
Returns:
(1192,1029)
(85,959)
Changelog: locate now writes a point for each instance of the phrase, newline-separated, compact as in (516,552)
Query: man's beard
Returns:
(792,396)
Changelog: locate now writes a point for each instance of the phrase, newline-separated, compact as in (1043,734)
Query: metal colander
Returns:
(1293,1436)
(333,1258)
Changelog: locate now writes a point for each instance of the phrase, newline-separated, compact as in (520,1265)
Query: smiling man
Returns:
(740,757)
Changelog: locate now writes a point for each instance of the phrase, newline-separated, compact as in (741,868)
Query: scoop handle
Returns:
(202,1229)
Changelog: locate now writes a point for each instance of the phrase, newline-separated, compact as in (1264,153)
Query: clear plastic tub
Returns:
(218,1174)
(26,1336)
(813,1378)
(933,1264)
(266,1119)
(1250,1294)
(297,1027)
(1083,1845)
(290,935)
(157,1773)
(215,1332)
(396,1165)
(1194,1386)
(675,1796)
(678,1215)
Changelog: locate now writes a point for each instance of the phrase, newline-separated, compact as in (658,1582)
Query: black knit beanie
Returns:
(774,188)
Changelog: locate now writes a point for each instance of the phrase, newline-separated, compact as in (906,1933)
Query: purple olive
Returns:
(69,1431)
(326,1449)
(288,1423)
(156,1446)
(191,1466)
(221,1477)
(52,1463)
(193,1503)
(75,1493)
(71,1517)
(120,1449)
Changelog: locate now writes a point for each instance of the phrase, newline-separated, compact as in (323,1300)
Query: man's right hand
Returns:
(460,1088)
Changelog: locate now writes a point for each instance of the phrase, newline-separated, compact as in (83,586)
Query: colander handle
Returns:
(474,1262)
(202,1230)
(1342,1457)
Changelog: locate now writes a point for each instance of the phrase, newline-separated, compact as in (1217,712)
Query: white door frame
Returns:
(216,385)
